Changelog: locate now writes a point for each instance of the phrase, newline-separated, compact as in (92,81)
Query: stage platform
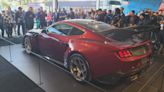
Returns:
(53,79)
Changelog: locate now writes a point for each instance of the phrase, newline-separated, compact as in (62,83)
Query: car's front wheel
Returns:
(79,68)
(27,45)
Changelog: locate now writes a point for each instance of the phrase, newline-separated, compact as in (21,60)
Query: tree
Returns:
(27,1)
(4,3)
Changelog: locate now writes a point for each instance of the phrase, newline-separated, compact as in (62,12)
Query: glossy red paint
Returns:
(103,60)
(100,52)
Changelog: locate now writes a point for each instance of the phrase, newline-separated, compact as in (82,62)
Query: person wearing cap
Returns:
(19,17)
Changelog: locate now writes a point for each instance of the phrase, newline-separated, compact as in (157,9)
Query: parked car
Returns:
(90,49)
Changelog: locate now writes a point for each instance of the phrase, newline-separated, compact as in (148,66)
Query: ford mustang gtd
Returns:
(90,49)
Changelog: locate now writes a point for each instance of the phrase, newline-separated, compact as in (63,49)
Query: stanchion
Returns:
(39,68)
(40,75)
(10,52)
(57,64)
(10,43)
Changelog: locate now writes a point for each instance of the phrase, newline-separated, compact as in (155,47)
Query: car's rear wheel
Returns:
(79,68)
(27,45)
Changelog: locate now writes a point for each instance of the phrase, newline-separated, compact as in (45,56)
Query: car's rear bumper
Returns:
(108,79)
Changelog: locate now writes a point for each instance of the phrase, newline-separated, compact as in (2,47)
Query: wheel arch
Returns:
(86,61)
(32,36)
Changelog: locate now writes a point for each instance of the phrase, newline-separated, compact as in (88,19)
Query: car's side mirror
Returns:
(44,31)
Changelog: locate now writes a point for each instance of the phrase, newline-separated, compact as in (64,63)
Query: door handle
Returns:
(44,35)
(54,39)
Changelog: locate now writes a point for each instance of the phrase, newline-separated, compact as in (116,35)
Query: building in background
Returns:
(85,4)
(129,5)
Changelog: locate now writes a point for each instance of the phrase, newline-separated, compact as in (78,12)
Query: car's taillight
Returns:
(124,53)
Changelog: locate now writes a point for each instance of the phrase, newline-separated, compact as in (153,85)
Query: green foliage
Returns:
(4,3)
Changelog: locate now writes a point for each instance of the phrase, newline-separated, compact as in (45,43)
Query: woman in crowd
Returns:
(49,18)
(9,21)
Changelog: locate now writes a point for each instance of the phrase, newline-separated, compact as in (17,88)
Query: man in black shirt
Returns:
(71,15)
(29,19)
(132,19)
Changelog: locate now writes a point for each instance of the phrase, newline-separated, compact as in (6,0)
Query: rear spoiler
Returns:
(134,29)
(145,28)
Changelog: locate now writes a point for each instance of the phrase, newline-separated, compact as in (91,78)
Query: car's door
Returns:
(50,42)
(56,39)
(44,39)
(58,42)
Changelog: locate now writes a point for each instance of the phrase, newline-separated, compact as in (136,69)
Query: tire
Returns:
(155,41)
(79,68)
(27,45)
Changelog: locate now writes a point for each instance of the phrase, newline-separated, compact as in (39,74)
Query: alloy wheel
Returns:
(27,45)
(78,68)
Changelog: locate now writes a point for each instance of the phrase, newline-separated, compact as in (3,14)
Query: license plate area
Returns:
(139,51)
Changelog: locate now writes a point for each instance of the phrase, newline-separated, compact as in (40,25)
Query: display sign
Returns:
(139,5)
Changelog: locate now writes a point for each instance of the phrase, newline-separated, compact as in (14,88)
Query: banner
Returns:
(139,5)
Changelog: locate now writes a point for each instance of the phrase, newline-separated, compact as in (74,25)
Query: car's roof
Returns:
(81,20)
(94,25)
(84,21)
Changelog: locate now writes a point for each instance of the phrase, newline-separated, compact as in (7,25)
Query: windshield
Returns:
(114,3)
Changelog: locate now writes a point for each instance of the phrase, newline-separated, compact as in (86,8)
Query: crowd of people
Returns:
(20,20)
(12,21)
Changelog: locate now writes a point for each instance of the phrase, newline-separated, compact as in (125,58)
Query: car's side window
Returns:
(63,28)
(55,31)
(76,31)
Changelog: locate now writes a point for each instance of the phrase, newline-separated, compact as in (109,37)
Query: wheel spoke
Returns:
(78,68)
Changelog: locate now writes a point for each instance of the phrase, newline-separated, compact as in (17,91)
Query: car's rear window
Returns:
(120,35)
(126,34)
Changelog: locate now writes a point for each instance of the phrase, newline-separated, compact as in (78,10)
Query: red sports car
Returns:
(91,49)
